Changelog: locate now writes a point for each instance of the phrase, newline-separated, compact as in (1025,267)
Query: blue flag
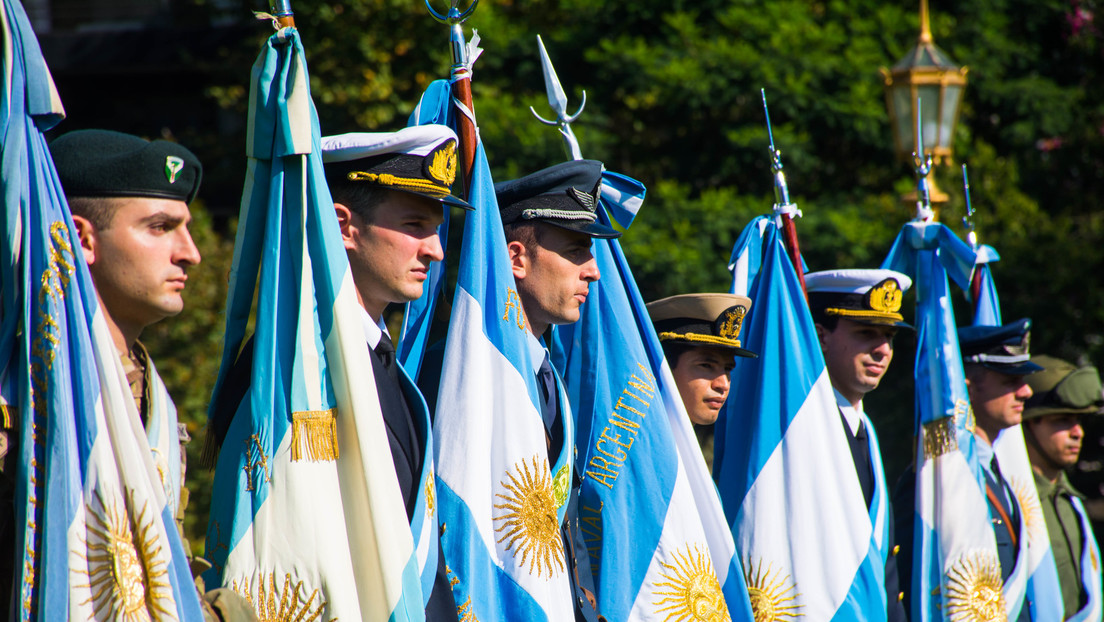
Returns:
(502,498)
(809,545)
(657,539)
(954,557)
(1040,587)
(306,510)
(95,533)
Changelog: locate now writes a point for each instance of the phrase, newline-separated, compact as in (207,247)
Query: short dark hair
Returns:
(530,234)
(360,197)
(829,322)
(100,211)
(672,351)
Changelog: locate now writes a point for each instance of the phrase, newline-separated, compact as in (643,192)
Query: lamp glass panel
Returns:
(902,111)
(952,95)
(929,109)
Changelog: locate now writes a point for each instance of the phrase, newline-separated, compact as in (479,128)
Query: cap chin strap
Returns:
(558,214)
(997,358)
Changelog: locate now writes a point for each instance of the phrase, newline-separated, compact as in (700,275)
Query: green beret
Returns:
(103,163)
(1062,388)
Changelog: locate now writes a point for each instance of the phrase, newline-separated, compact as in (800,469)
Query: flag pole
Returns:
(282,10)
(783,208)
(557,99)
(971,237)
(461,84)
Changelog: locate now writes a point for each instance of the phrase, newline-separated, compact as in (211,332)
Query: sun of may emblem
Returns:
(689,589)
(127,574)
(1032,512)
(772,596)
(529,524)
(292,603)
(975,592)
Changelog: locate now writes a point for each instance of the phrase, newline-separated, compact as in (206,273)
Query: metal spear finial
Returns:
(557,99)
(968,219)
(923,164)
(781,190)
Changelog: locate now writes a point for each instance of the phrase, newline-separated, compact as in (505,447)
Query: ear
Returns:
(87,234)
(349,230)
(519,259)
(822,334)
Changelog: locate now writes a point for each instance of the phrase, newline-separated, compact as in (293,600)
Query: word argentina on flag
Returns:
(658,543)
(954,557)
(95,535)
(809,545)
(307,517)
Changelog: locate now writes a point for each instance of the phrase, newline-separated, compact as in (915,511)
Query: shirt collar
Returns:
(852,415)
(373,331)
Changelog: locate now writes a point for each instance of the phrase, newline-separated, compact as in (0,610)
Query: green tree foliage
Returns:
(673,100)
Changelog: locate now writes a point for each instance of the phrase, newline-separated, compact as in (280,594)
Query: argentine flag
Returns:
(95,536)
(658,542)
(955,572)
(501,500)
(307,520)
(1037,579)
(810,548)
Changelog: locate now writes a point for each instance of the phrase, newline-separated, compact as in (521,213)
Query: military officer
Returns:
(857,313)
(129,199)
(549,222)
(1062,395)
(700,335)
(997,364)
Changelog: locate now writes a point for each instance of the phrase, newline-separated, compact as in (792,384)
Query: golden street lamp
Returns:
(926,74)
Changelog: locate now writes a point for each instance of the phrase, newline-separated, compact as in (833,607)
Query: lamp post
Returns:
(926,74)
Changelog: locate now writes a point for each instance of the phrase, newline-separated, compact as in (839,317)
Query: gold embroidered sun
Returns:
(772,595)
(288,604)
(529,524)
(127,573)
(692,591)
(974,591)
(1032,512)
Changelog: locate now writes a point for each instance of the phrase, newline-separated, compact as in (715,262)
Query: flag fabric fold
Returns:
(1090,571)
(97,539)
(954,570)
(1038,580)
(307,516)
(658,543)
(501,497)
(810,547)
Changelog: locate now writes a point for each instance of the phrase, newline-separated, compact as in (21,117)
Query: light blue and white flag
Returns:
(307,519)
(955,571)
(501,501)
(1035,583)
(810,547)
(658,542)
(1090,571)
(95,535)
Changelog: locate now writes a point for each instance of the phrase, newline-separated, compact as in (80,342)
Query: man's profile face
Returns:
(1058,437)
(702,377)
(856,355)
(390,255)
(139,261)
(997,399)
(555,276)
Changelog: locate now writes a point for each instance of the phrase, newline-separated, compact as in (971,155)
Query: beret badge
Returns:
(173,166)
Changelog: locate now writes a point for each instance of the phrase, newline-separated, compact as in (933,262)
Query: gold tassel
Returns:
(314,431)
(9,416)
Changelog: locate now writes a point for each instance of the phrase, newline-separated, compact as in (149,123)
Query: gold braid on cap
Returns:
(699,338)
(884,300)
(400,183)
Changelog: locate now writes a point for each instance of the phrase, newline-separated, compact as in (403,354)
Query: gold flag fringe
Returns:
(9,416)
(314,431)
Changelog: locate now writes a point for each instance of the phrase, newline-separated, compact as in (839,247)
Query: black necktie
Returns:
(547,382)
(386,351)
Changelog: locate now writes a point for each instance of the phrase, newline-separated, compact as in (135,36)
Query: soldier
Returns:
(700,335)
(549,221)
(857,314)
(1062,395)
(997,363)
(129,198)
